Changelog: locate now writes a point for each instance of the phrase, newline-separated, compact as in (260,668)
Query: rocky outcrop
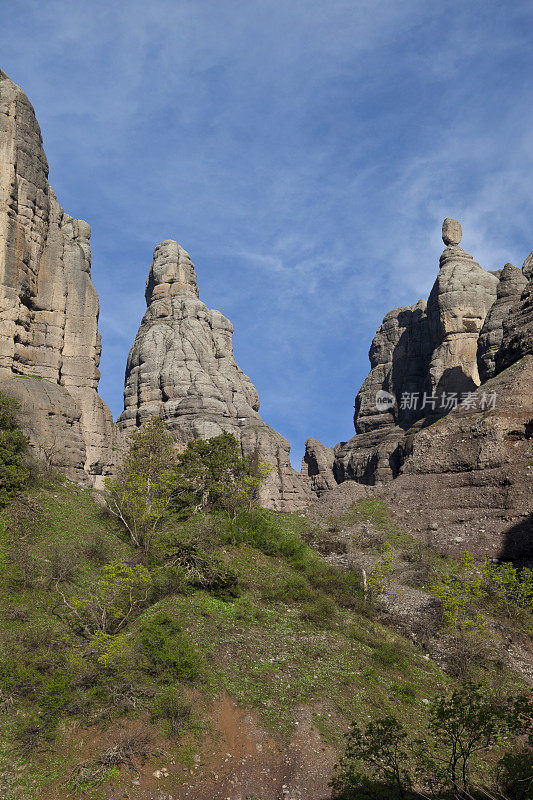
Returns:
(424,360)
(517,338)
(48,304)
(457,306)
(182,368)
(317,466)
(511,285)
(462,471)
(399,357)
(467,480)
(49,416)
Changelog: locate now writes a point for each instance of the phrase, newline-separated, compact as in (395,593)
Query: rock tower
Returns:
(49,340)
(182,368)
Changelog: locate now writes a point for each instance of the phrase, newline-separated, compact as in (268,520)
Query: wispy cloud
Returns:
(305,153)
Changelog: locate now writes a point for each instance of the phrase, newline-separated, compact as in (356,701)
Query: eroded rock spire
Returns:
(182,368)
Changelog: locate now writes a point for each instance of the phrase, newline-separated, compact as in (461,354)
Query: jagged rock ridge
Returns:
(182,368)
(48,304)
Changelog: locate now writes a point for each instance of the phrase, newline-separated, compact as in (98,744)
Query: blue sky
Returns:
(305,153)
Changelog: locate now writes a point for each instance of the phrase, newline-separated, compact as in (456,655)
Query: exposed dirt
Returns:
(238,759)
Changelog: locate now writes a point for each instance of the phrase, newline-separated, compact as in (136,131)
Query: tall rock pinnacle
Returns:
(457,306)
(182,368)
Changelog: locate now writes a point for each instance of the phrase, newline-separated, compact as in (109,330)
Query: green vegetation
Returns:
(466,730)
(14,472)
(154,611)
(240,605)
(140,494)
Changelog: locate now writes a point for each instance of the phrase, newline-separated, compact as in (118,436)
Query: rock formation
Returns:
(399,357)
(424,358)
(511,285)
(466,458)
(457,306)
(517,338)
(48,304)
(317,466)
(182,368)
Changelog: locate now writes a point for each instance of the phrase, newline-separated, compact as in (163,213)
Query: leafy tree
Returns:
(211,473)
(514,775)
(470,721)
(13,471)
(375,761)
(141,492)
(109,603)
(381,761)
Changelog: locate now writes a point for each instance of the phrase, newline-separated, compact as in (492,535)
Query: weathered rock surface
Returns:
(457,306)
(473,472)
(182,368)
(399,357)
(468,465)
(425,358)
(517,339)
(48,304)
(511,285)
(317,466)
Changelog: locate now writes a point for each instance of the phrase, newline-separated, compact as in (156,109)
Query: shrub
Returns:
(388,654)
(62,564)
(259,530)
(97,549)
(293,588)
(344,586)
(514,775)
(174,710)
(379,576)
(193,565)
(380,748)
(170,654)
(459,593)
(111,601)
(55,695)
(13,471)
(16,677)
(512,588)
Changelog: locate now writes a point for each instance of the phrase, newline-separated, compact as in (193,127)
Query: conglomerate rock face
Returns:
(48,304)
(182,368)
(399,357)
(517,338)
(424,359)
(511,285)
(457,306)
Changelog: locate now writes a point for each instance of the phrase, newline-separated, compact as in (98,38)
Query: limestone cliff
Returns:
(48,304)
(182,368)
